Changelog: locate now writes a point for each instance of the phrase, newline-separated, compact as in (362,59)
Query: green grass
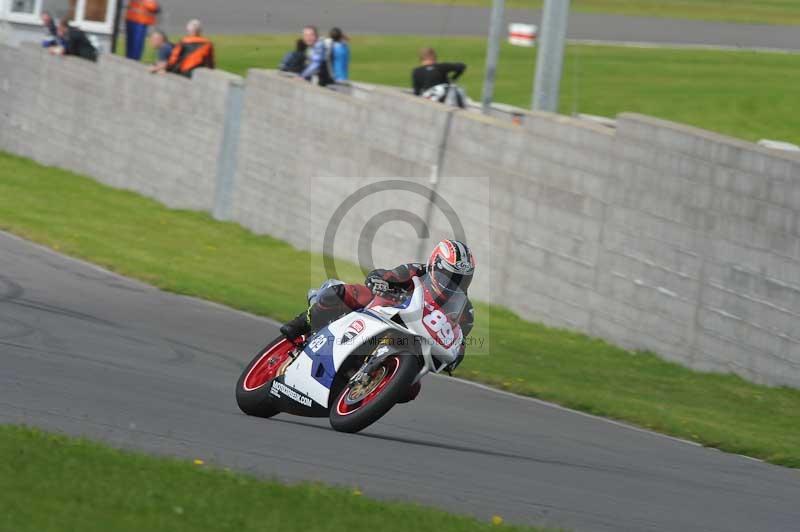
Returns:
(54,483)
(189,253)
(744,11)
(749,95)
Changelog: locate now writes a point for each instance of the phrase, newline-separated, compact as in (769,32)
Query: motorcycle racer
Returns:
(450,269)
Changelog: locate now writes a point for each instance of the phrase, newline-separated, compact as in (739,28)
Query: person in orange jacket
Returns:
(193,51)
(141,15)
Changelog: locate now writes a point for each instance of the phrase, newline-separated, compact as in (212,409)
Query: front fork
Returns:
(424,371)
(376,359)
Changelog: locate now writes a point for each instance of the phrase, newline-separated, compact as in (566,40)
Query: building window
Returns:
(60,8)
(95,16)
(23,6)
(95,10)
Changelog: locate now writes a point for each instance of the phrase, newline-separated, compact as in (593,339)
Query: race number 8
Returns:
(437,322)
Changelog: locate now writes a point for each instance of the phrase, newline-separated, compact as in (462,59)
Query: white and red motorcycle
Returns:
(359,366)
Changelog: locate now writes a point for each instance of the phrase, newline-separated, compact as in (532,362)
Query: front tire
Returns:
(355,409)
(252,389)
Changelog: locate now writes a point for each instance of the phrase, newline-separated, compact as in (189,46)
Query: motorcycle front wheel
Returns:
(252,389)
(360,405)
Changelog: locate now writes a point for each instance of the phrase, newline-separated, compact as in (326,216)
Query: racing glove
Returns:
(377,284)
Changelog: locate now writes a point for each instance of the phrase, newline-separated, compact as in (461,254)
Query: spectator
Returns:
(193,51)
(339,55)
(317,57)
(295,61)
(160,43)
(73,42)
(431,73)
(140,16)
(51,33)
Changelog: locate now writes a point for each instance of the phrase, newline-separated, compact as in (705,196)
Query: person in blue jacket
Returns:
(339,55)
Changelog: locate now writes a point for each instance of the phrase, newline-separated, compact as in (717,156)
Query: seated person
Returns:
(73,42)
(295,61)
(192,52)
(160,43)
(339,52)
(317,58)
(431,73)
(51,33)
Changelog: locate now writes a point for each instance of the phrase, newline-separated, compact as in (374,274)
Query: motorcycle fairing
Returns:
(314,370)
(292,401)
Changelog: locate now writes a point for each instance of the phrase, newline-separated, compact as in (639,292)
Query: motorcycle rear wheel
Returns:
(359,406)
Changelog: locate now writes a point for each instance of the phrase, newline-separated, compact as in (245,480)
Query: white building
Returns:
(20,19)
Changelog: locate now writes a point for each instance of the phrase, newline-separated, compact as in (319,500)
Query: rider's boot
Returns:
(296,327)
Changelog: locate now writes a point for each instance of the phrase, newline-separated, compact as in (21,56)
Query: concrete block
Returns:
(714,353)
(616,332)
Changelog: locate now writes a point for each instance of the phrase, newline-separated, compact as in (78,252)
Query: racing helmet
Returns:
(450,267)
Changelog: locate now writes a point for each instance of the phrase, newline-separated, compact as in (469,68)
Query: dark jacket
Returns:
(427,76)
(77,43)
(293,62)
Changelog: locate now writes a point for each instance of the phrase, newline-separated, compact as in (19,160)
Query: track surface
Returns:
(362,16)
(90,353)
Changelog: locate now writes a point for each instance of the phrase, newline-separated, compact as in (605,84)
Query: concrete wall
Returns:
(702,235)
(157,135)
(651,235)
(305,149)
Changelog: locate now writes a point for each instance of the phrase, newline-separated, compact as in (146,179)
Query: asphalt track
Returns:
(90,353)
(363,16)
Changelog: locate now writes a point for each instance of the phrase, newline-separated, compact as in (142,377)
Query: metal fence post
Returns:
(550,57)
(492,53)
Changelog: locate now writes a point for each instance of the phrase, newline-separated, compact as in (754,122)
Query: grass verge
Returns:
(190,253)
(750,95)
(786,12)
(54,483)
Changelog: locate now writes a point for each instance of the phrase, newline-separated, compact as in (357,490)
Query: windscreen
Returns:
(452,303)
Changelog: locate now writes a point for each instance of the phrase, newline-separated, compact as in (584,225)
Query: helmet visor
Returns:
(450,283)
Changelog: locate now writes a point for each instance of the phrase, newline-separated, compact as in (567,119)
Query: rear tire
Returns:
(252,389)
(347,415)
